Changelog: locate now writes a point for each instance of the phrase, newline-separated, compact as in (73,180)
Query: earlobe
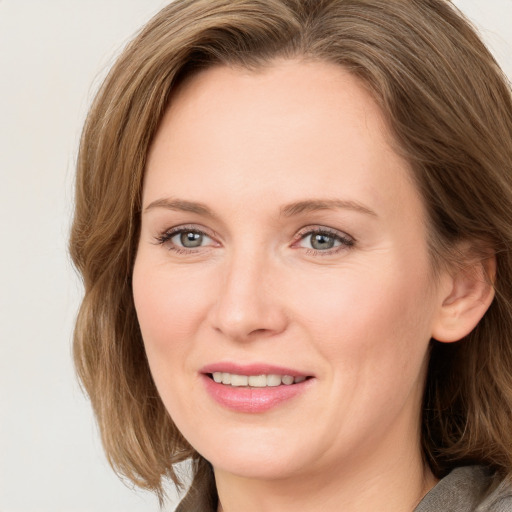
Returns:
(466,298)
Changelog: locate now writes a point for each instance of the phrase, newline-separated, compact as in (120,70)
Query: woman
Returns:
(294,223)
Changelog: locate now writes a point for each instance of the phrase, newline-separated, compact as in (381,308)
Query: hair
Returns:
(449,109)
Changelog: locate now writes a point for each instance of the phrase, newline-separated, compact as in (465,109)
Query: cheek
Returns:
(170,310)
(370,320)
(171,306)
(373,332)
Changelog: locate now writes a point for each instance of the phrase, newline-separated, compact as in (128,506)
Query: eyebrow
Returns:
(181,205)
(290,210)
(313,205)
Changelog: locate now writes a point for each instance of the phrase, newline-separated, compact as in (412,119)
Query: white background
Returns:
(53,54)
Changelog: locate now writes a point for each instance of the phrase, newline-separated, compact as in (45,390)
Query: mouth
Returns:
(254,388)
(255,381)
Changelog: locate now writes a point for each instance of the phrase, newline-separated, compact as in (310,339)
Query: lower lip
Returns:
(253,400)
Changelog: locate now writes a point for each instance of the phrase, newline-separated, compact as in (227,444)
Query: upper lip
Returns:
(252,369)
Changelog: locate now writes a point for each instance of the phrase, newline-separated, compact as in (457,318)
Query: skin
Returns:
(358,317)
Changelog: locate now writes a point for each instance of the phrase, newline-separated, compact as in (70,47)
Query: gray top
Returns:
(465,489)
(468,489)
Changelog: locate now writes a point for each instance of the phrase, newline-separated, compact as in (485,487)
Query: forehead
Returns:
(292,126)
(292,92)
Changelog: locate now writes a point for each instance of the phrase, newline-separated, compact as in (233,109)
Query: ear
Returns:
(465,297)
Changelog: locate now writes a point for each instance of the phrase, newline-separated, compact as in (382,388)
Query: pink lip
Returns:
(252,400)
(251,369)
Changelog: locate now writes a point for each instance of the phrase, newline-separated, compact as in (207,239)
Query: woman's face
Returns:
(283,239)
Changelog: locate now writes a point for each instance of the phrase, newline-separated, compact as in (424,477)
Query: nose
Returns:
(249,304)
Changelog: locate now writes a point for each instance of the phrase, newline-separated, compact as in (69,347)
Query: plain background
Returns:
(53,55)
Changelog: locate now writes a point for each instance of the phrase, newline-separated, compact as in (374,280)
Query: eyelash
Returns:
(346,241)
(165,238)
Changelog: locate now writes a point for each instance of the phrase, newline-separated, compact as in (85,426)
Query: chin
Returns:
(256,456)
(255,467)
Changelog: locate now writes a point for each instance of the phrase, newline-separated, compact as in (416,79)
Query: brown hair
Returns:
(449,107)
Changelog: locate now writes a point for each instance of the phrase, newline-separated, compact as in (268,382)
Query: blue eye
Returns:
(322,240)
(184,238)
(189,239)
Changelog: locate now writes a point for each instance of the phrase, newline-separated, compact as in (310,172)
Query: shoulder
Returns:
(469,489)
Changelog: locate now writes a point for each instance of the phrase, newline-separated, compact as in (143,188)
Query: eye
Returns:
(183,239)
(189,239)
(324,240)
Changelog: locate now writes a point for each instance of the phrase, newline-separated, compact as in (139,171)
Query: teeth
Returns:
(258,381)
(255,381)
(273,380)
(239,380)
(287,379)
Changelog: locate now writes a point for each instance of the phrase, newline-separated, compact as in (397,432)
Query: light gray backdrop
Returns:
(53,54)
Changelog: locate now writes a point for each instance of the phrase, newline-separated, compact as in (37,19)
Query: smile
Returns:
(254,388)
(255,381)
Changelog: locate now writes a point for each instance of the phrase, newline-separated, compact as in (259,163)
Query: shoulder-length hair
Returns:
(449,108)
